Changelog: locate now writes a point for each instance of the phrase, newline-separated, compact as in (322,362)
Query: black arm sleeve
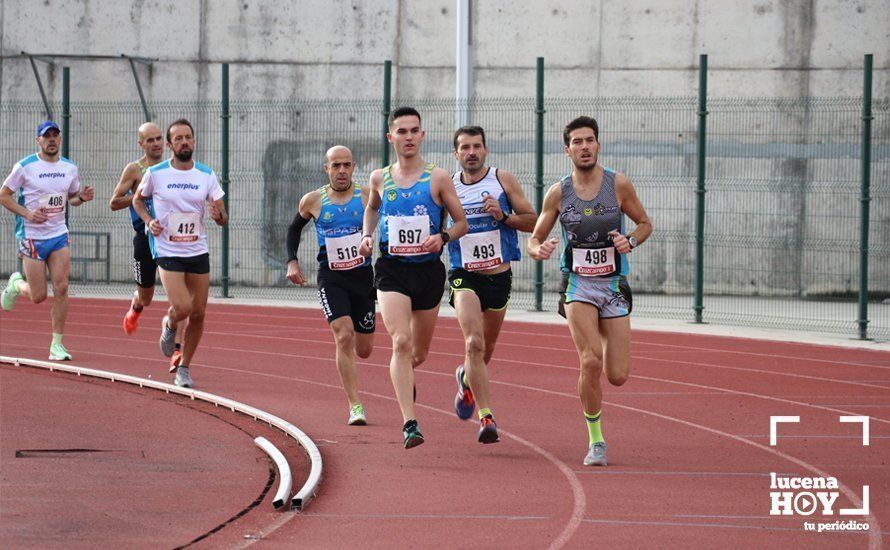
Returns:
(293,236)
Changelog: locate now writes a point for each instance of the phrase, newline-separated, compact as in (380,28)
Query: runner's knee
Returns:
(60,289)
(363,349)
(418,357)
(475,345)
(591,366)
(401,344)
(617,378)
(38,296)
(345,338)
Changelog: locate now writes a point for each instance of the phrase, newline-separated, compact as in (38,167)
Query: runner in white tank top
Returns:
(480,277)
(180,189)
(38,191)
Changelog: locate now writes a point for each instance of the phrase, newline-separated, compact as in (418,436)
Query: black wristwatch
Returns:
(632,242)
(445,236)
(504,219)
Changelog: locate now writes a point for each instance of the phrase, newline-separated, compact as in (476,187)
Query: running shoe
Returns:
(357,416)
(131,321)
(175,360)
(464,402)
(488,430)
(168,338)
(412,434)
(596,455)
(57,352)
(11,292)
(183,380)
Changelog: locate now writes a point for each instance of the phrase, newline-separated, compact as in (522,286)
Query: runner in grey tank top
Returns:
(590,204)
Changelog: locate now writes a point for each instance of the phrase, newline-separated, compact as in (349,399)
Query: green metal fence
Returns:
(782,214)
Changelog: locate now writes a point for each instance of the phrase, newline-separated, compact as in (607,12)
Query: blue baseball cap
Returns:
(44,126)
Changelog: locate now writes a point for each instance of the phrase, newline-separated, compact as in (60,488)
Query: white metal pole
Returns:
(464,62)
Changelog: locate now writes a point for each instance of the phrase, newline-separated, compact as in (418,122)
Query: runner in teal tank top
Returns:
(345,277)
(408,201)
(590,205)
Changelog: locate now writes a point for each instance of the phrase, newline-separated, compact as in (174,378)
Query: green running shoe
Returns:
(57,352)
(357,416)
(11,292)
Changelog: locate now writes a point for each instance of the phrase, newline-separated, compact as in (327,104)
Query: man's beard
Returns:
(184,155)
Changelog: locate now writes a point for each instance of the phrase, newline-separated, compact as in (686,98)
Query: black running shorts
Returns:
(348,293)
(199,265)
(493,290)
(145,268)
(423,282)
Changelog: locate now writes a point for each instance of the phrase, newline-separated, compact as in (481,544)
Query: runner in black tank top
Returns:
(590,205)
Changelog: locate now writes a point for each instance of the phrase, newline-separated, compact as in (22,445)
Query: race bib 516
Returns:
(343,252)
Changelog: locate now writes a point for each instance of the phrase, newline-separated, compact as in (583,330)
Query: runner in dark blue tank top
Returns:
(590,205)
(410,199)
(345,278)
(151,141)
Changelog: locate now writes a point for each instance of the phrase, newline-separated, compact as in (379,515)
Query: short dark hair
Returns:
(470,131)
(400,112)
(581,122)
(179,122)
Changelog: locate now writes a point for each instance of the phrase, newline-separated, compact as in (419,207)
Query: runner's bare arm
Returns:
(523,217)
(372,211)
(7,199)
(442,188)
(539,246)
(630,204)
(141,209)
(218,212)
(128,181)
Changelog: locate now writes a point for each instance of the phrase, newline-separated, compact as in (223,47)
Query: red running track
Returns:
(689,452)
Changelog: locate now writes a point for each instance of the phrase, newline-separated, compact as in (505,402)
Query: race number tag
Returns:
(52,204)
(407,234)
(183,227)
(343,252)
(592,262)
(481,250)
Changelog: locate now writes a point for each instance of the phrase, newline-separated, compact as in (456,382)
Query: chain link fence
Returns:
(782,216)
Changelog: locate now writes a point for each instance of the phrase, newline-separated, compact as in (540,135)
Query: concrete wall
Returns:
(335,48)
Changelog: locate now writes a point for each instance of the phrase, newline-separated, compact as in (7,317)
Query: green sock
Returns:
(464,379)
(57,338)
(594,427)
(485,412)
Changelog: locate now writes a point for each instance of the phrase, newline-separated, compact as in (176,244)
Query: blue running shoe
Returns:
(464,403)
(488,430)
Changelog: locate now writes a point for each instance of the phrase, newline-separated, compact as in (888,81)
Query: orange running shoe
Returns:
(131,320)
(175,360)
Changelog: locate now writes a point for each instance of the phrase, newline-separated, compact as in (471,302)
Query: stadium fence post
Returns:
(700,158)
(539,175)
(66,119)
(865,199)
(224,173)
